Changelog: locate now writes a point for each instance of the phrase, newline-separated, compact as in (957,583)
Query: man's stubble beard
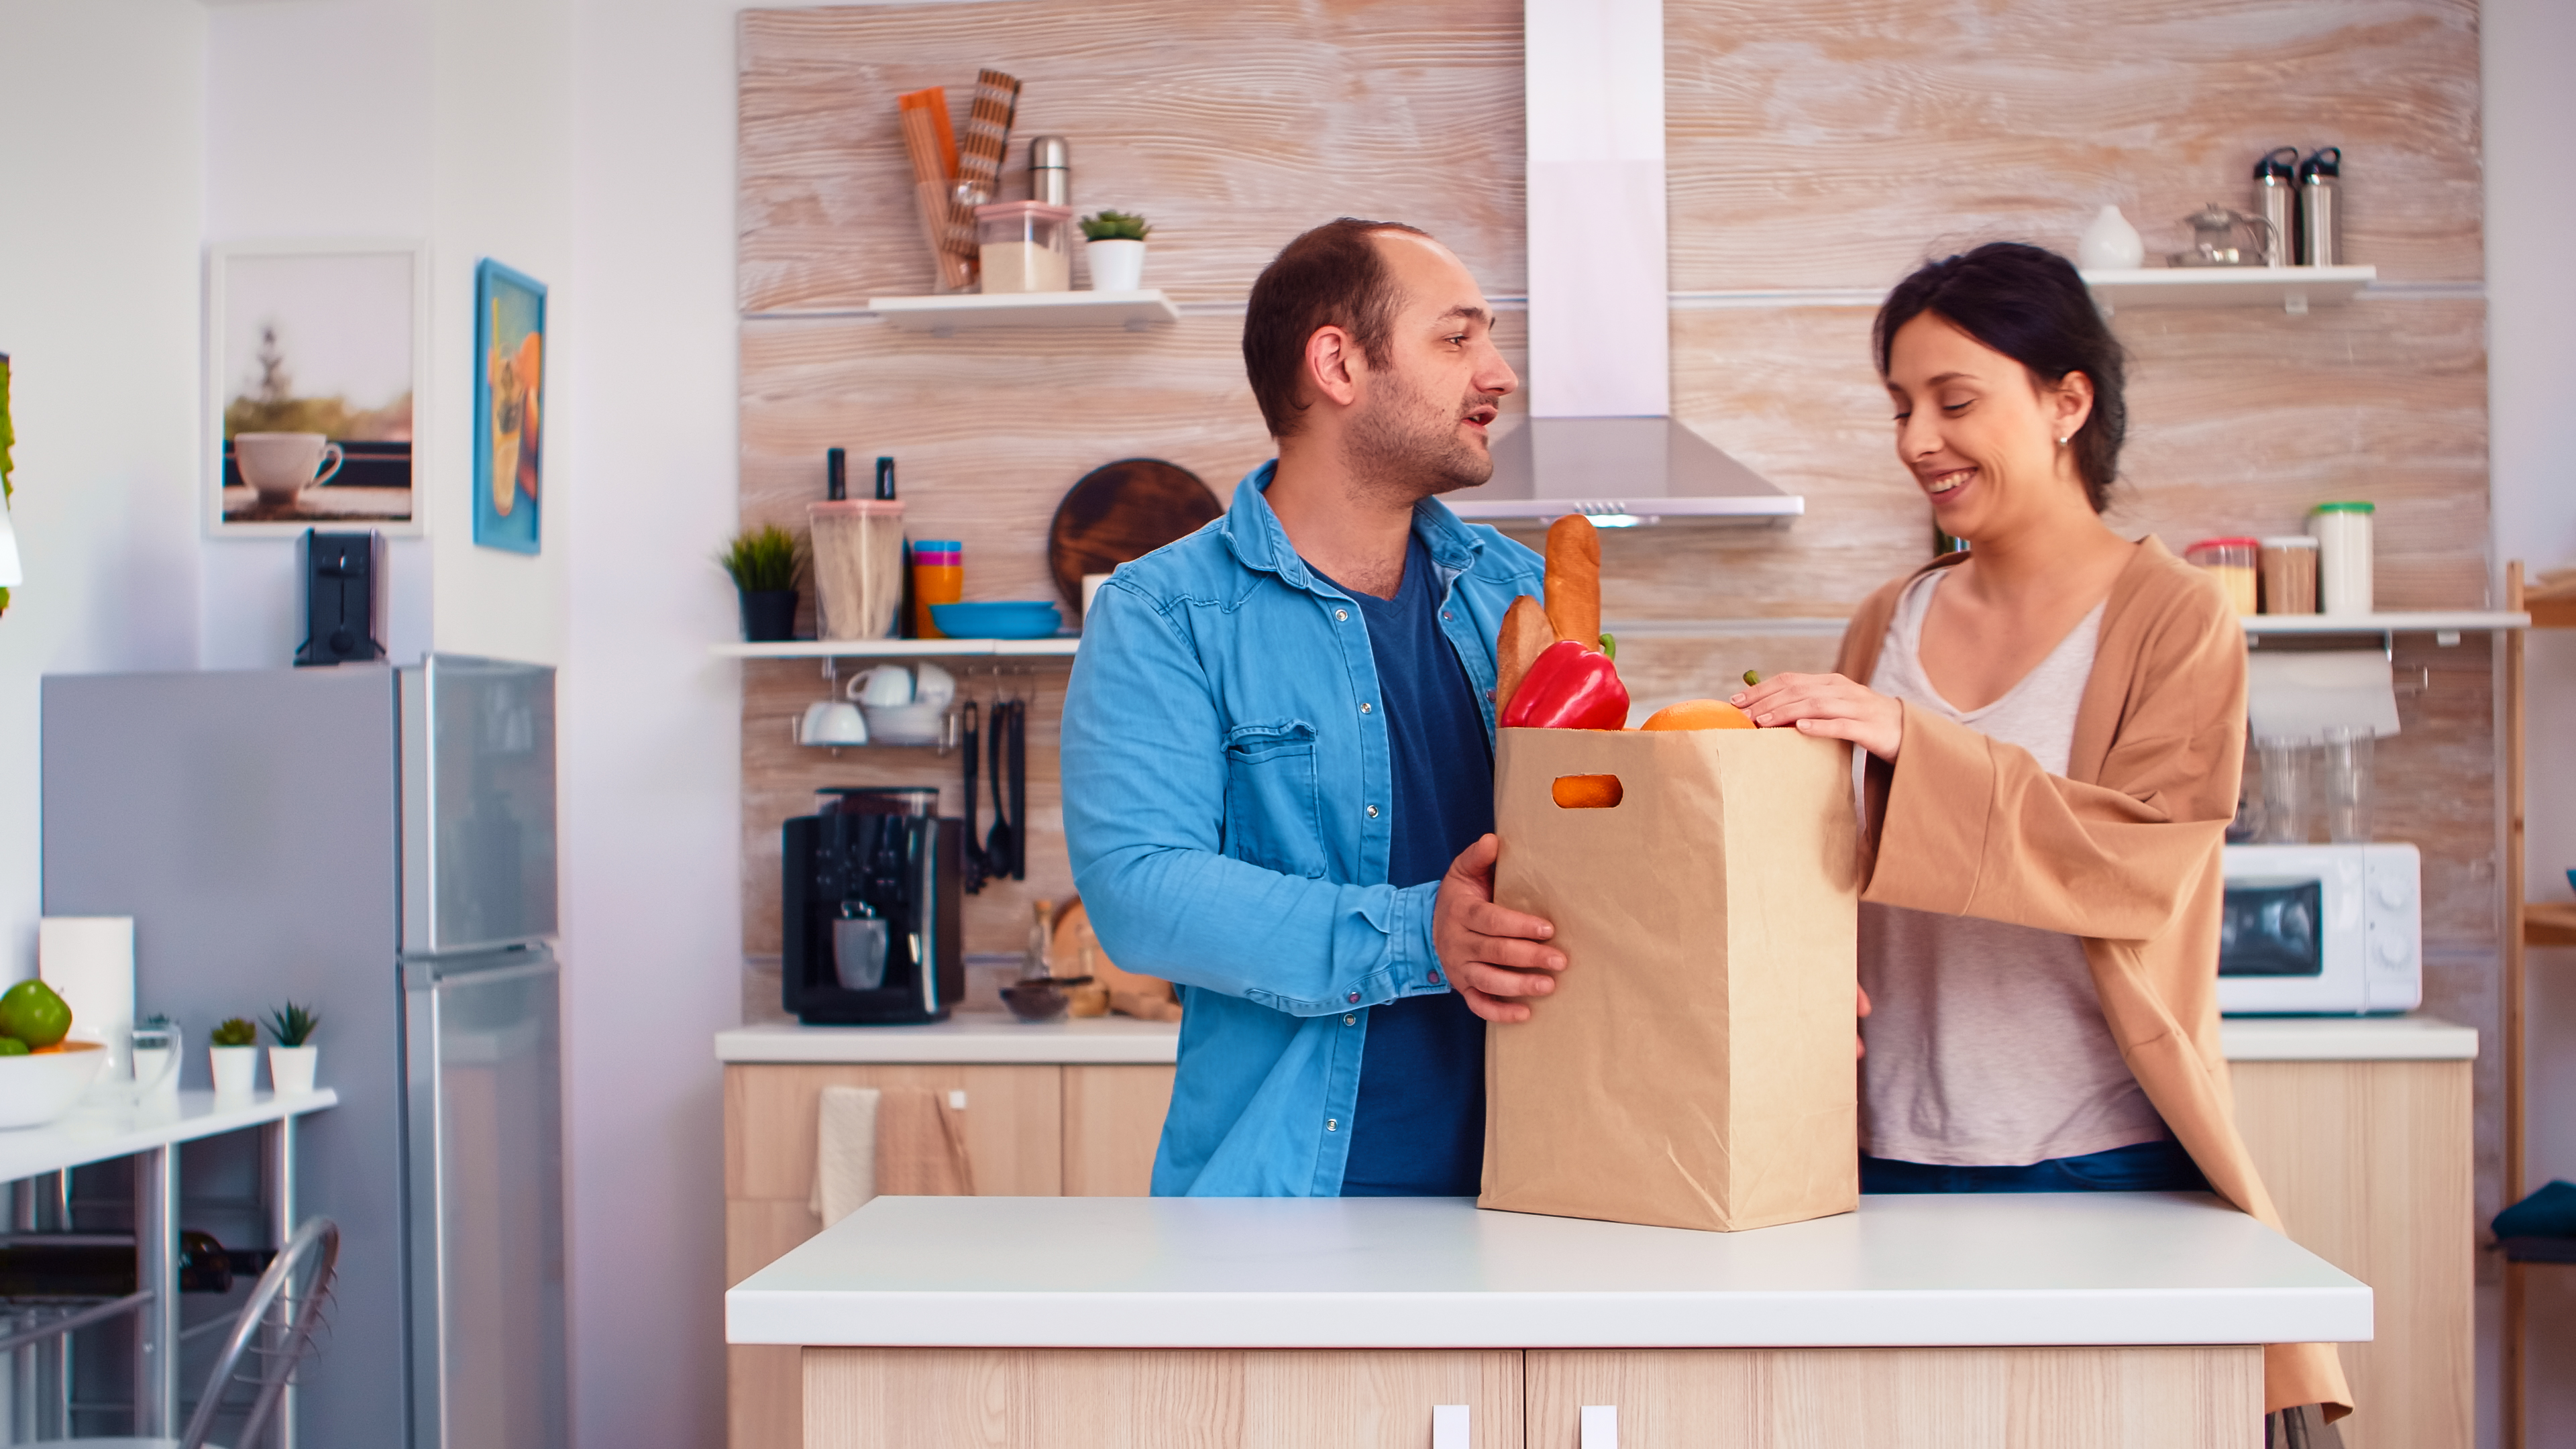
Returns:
(1404,449)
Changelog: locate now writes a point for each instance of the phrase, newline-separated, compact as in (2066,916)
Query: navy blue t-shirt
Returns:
(1419,1127)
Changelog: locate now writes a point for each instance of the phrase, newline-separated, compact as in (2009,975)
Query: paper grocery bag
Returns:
(1693,1067)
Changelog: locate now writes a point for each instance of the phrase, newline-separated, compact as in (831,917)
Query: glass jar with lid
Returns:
(1027,246)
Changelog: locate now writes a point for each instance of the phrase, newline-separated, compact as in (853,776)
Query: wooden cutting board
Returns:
(1120,512)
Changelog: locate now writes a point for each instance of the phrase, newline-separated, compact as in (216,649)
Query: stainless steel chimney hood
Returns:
(1600,438)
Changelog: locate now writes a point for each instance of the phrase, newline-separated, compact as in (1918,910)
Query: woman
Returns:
(2055,721)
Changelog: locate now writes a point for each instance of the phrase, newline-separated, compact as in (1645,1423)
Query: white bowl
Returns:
(41,1086)
(905,724)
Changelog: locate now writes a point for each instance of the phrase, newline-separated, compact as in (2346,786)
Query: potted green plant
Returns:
(292,1059)
(233,1053)
(1115,242)
(764,563)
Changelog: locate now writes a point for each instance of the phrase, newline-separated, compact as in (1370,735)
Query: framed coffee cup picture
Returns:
(315,352)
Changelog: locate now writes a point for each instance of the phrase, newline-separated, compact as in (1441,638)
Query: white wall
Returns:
(100,111)
(2529,50)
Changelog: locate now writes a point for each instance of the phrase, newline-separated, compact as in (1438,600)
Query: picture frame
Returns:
(509,408)
(306,337)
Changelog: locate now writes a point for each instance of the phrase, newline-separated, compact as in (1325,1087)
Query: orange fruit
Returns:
(1698,714)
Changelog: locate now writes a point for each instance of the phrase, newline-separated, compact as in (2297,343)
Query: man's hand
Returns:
(1493,956)
(1827,705)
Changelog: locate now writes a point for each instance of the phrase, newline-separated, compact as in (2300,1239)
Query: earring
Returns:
(2062,441)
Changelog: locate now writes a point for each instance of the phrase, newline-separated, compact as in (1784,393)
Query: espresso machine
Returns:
(869,906)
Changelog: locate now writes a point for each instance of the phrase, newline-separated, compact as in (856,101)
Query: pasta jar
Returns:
(2342,532)
(2231,562)
(1027,246)
(2289,567)
(858,567)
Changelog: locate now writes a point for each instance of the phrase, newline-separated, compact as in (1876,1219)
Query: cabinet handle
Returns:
(1449,1426)
(1601,1426)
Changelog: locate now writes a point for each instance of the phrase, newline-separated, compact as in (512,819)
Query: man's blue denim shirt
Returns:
(1225,789)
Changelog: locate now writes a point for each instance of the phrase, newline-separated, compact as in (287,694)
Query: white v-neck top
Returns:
(1987,1045)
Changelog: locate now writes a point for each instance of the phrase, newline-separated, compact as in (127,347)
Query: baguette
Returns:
(1525,635)
(1574,580)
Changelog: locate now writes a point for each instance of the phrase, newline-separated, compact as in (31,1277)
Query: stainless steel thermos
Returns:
(2320,177)
(2276,184)
(1050,171)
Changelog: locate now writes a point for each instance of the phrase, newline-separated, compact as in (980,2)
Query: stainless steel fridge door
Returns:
(478,803)
(481,1042)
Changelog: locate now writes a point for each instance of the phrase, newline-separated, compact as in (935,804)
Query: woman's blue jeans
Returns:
(2141,1167)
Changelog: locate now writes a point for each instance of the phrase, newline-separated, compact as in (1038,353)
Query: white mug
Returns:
(884,685)
(832,722)
(933,685)
(280,466)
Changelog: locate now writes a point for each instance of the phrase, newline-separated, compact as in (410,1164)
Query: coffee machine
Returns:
(869,906)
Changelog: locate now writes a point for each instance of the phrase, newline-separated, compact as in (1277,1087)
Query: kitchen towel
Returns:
(899,1141)
(2299,696)
(845,1152)
(89,962)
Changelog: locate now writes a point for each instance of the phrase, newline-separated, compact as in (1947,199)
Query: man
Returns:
(1278,749)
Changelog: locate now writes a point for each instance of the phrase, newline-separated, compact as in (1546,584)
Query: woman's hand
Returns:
(1827,705)
(1860,1048)
(1495,956)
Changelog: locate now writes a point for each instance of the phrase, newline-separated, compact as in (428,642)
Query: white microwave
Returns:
(2321,930)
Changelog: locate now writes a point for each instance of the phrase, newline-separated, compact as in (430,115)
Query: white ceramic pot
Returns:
(37,1088)
(290,1069)
(1116,266)
(236,1069)
(2110,244)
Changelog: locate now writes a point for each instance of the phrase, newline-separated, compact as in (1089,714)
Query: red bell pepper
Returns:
(1569,687)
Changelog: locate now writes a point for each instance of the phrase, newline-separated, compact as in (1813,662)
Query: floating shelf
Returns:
(1057,648)
(2443,621)
(2549,924)
(2292,289)
(976,311)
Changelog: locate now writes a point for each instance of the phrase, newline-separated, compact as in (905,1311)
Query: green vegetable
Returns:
(1115,226)
(235,1032)
(10,1046)
(32,1013)
(292,1025)
(763,560)
(1753,676)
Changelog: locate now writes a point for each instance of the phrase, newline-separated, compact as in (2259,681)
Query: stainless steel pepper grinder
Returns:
(1050,171)
(2320,177)
(2276,191)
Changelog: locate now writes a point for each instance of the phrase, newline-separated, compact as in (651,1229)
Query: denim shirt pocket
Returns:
(1272,815)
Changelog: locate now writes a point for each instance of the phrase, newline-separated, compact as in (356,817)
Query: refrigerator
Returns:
(377,843)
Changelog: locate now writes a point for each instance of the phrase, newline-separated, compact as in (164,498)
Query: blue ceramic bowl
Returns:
(1012,619)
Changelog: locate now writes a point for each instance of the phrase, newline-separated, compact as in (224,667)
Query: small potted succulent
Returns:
(291,1060)
(764,563)
(234,1055)
(1115,241)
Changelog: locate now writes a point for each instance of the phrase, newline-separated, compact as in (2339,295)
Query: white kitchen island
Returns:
(2089,1319)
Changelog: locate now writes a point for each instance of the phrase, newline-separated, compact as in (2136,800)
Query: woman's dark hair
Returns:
(1333,276)
(2030,304)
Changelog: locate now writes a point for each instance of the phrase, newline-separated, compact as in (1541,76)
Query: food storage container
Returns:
(2342,532)
(2231,561)
(1026,246)
(2289,567)
(938,577)
(858,567)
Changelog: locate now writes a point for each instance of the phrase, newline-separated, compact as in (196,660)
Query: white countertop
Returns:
(2346,1039)
(969,1036)
(997,1037)
(1991,1268)
(96,1133)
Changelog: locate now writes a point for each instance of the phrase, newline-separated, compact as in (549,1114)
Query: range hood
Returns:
(1600,438)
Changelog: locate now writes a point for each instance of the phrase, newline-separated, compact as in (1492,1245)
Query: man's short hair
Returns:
(1333,276)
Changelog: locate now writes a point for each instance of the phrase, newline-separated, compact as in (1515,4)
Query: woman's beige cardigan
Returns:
(2122,850)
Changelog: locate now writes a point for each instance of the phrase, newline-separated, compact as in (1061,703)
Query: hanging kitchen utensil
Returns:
(971,871)
(1019,789)
(1120,512)
(997,845)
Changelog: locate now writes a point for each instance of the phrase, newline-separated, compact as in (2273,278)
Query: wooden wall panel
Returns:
(1836,144)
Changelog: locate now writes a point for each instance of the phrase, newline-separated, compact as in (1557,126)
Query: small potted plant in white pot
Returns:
(291,1060)
(234,1056)
(1115,242)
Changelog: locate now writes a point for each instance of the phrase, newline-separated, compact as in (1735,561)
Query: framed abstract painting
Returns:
(509,406)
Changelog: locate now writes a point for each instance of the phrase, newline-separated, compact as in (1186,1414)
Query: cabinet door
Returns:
(937,1398)
(1014,1138)
(2369,1163)
(1113,1121)
(1902,1398)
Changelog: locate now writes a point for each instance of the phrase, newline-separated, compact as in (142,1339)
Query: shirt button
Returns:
(1365,708)
(1355,998)
(1372,812)
(1344,615)
(1332,1124)
(1435,978)
(1350,1021)
(1445,614)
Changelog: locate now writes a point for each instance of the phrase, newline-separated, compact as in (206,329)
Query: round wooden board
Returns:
(1120,512)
